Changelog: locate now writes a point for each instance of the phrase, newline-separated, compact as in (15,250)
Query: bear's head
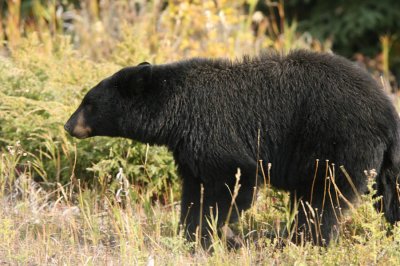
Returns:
(113,106)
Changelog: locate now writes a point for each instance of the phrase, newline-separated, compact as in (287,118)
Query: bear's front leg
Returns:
(198,200)
(200,203)
(316,221)
(190,207)
(214,202)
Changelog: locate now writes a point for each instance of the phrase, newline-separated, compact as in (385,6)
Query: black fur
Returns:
(305,105)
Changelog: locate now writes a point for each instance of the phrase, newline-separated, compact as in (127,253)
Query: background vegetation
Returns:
(112,201)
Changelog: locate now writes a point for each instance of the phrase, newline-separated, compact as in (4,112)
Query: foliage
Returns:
(354,25)
(41,86)
(357,29)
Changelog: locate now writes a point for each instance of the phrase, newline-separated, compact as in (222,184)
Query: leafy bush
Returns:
(41,86)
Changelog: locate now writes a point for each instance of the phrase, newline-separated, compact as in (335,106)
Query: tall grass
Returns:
(72,224)
(113,201)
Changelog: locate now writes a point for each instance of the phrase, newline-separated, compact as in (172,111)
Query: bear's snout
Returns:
(77,127)
(67,127)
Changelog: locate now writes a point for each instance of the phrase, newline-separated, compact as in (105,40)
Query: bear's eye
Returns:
(89,107)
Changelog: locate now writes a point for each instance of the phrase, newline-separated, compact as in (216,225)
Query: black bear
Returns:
(218,115)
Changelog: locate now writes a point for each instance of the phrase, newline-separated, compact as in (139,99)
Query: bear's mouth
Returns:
(81,132)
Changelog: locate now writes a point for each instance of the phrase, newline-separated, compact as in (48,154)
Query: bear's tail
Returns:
(388,184)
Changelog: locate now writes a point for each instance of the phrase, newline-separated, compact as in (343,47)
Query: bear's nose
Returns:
(67,127)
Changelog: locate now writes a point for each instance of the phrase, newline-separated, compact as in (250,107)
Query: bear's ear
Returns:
(134,80)
(141,79)
(144,64)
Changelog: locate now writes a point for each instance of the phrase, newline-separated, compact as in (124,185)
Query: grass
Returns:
(116,202)
(71,224)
